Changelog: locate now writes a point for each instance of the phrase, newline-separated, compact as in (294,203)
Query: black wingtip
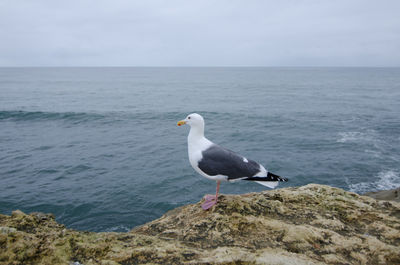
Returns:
(274,177)
(269,177)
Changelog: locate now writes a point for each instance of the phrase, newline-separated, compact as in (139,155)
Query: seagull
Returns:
(220,164)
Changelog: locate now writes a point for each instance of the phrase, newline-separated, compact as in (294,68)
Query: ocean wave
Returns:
(19,115)
(367,136)
(385,180)
(112,117)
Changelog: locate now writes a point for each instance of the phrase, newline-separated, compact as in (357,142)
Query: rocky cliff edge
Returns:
(312,224)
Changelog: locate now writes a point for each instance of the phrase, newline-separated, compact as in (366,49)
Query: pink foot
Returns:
(208,204)
(211,200)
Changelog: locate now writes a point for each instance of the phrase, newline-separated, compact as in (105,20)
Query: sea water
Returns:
(99,147)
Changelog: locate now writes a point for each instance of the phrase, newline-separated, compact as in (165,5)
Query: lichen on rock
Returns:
(312,224)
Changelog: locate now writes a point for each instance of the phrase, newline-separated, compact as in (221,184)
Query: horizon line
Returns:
(220,66)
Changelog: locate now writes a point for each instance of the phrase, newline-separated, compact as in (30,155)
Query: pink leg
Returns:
(216,194)
(211,200)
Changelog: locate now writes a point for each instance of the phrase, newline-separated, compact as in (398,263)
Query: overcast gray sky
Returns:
(199,33)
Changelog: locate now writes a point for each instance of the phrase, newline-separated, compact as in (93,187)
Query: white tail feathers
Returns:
(269,184)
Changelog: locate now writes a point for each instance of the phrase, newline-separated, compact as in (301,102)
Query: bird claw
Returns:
(210,201)
(208,204)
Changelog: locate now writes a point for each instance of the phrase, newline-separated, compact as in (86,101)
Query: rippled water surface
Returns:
(99,147)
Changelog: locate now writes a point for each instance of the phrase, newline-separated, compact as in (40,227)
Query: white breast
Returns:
(195,148)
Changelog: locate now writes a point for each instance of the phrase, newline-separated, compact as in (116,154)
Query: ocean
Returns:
(100,148)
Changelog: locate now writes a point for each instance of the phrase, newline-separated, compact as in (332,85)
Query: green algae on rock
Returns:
(313,224)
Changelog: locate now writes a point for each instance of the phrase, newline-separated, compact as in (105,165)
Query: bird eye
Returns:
(189,118)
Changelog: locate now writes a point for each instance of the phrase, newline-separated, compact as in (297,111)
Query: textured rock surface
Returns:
(313,224)
(389,195)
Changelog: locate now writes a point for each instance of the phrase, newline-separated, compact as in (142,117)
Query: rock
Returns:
(7,230)
(387,195)
(17,213)
(313,224)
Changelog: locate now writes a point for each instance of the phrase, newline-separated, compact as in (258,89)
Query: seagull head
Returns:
(193,120)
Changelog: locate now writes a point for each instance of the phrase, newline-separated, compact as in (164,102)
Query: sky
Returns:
(199,33)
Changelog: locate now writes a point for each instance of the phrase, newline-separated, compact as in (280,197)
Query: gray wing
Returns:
(220,161)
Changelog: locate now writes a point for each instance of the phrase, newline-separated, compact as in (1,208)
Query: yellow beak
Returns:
(181,123)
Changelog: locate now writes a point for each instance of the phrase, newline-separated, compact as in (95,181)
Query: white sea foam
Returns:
(367,136)
(385,180)
(373,153)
